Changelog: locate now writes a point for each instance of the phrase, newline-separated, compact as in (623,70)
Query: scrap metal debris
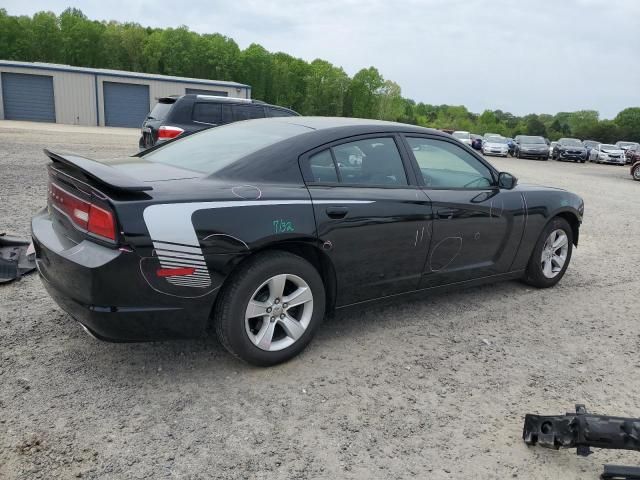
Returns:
(582,430)
(620,472)
(17,258)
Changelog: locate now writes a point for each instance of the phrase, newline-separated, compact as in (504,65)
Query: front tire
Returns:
(270,308)
(636,173)
(551,255)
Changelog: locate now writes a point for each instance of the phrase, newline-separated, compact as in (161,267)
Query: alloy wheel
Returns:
(279,312)
(554,253)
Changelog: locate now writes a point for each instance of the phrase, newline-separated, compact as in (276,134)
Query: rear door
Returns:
(477,226)
(371,216)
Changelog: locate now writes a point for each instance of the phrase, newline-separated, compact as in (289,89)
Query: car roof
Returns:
(327,123)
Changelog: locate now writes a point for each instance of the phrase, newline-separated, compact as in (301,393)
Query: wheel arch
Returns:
(573,220)
(306,249)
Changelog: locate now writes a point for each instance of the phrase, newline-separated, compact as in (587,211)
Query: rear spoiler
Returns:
(100,172)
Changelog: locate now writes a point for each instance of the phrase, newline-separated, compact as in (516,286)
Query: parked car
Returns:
(476,141)
(605,153)
(626,145)
(495,146)
(588,145)
(529,146)
(258,228)
(464,137)
(632,154)
(570,149)
(551,147)
(635,170)
(182,115)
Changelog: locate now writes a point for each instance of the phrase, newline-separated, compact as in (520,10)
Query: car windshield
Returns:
(625,144)
(572,142)
(590,143)
(496,140)
(606,146)
(160,111)
(461,134)
(213,149)
(534,140)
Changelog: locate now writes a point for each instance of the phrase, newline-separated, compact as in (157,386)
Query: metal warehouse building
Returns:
(45,92)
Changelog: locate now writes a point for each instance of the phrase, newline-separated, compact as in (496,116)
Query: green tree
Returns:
(363,94)
(391,105)
(628,121)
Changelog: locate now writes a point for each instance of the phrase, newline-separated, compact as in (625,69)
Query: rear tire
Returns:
(252,319)
(636,173)
(544,270)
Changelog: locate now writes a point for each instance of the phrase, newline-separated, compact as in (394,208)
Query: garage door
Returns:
(28,97)
(125,104)
(217,93)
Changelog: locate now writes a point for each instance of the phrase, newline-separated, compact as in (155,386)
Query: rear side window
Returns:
(208,113)
(372,161)
(247,112)
(277,112)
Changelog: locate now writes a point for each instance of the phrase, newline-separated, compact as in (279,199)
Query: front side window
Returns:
(445,165)
(208,113)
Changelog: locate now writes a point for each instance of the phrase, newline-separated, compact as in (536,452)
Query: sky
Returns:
(520,56)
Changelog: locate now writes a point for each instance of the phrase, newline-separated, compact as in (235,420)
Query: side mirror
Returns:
(507,181)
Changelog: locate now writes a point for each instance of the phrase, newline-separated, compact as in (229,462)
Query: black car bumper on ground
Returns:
(104,289)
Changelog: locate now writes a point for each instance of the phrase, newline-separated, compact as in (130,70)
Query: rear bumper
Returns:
(104,289)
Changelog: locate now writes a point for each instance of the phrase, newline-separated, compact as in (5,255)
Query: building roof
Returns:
(119,73)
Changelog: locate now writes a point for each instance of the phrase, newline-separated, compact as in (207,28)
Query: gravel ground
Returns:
(435,388)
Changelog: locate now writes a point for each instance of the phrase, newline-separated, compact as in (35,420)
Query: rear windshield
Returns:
(213,149)
(160,111)
(535,140)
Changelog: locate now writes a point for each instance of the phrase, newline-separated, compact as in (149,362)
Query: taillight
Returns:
(166,132)
(85,215)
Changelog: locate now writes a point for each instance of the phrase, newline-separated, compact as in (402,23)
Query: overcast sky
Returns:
(522,56)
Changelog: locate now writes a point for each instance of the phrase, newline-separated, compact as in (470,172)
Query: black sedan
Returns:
(259,228)
(569,149)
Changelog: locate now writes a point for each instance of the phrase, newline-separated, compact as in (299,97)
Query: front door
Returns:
(477,226)
(372,223)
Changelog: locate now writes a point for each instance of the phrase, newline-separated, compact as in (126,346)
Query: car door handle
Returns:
(447,213)
(337,212)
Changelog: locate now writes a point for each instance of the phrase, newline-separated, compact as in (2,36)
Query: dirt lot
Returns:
(435,388)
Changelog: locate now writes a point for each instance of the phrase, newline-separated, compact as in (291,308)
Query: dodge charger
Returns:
(259,228)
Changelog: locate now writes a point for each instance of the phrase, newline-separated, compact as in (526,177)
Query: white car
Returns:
(495,146)
(464,137)
(605,153)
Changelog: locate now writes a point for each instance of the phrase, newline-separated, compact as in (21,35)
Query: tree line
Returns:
(310,88)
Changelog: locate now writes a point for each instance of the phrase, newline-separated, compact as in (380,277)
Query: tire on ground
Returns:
(229,312)
(533,274)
